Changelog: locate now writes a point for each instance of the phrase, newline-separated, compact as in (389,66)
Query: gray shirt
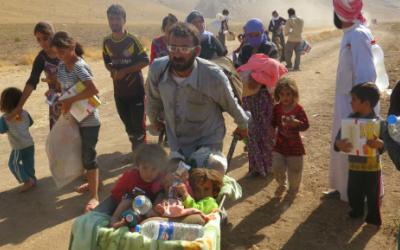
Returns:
(193,109)
(18,130)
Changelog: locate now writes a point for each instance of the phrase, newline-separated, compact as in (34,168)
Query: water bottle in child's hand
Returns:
(131,218)
(182,172)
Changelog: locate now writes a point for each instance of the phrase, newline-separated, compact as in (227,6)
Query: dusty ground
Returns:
(42,218)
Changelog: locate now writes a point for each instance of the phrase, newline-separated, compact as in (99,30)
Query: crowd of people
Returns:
(186,94)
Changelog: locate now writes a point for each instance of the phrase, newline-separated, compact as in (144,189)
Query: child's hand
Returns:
(14,114)
(182,190)
(50,78)
(293,122)
(118,74)
(65,106)
(375,143)
(116,222)
(119,223)
(344,145)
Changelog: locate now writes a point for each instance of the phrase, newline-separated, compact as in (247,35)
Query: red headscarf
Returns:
(264,70)
(349,10)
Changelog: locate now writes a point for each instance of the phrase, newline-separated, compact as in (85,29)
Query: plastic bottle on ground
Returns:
(161,230)
(394,127)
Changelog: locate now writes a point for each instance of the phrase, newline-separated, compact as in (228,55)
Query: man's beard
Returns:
(336,20)
(179,64)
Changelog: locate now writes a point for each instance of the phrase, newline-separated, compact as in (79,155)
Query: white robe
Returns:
(356,66)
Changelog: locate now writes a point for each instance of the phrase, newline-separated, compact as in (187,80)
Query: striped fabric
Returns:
(67,79)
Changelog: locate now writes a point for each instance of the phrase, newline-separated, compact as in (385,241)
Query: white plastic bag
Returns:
(63,148)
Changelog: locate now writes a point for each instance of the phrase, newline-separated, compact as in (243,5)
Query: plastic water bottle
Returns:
(182,169)
(161,230)
(382,79)
(394,127)
(132,218)
(141,204)
(179,174)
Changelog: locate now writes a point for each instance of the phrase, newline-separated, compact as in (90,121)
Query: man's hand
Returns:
(344,145)
(241,133)
(375,143)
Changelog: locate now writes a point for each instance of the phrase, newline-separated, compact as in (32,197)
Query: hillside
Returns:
(87,11)
(315,12)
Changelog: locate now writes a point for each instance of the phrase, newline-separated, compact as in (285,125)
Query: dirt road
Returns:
(42,218)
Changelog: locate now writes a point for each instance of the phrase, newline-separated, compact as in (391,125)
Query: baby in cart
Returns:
(177,201)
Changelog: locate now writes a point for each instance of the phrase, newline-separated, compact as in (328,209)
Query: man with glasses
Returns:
(193,93)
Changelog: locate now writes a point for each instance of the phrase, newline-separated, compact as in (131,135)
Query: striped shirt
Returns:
(18,130)
(68,79)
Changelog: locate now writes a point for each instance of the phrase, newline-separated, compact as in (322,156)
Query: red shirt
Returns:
(131,179)
(288,140)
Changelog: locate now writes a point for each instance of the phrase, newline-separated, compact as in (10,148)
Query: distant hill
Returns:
(81,11)
(315,12)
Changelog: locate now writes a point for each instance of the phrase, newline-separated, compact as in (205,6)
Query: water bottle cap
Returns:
(392,119)
(138,228)
(186,166)
(139,201)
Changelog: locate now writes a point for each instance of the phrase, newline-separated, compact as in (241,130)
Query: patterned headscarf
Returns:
(349,10)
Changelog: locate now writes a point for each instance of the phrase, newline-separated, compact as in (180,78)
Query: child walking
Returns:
(260,76)
(364,172)
(71,70)
(22,161)
(289,119)
(46,61)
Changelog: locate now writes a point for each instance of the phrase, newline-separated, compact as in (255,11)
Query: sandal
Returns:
(91,205)
(82,188)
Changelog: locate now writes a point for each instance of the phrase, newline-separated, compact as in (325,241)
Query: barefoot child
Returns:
(22,160)
(150,161)
(71,70)
(289,119)
(364,172)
